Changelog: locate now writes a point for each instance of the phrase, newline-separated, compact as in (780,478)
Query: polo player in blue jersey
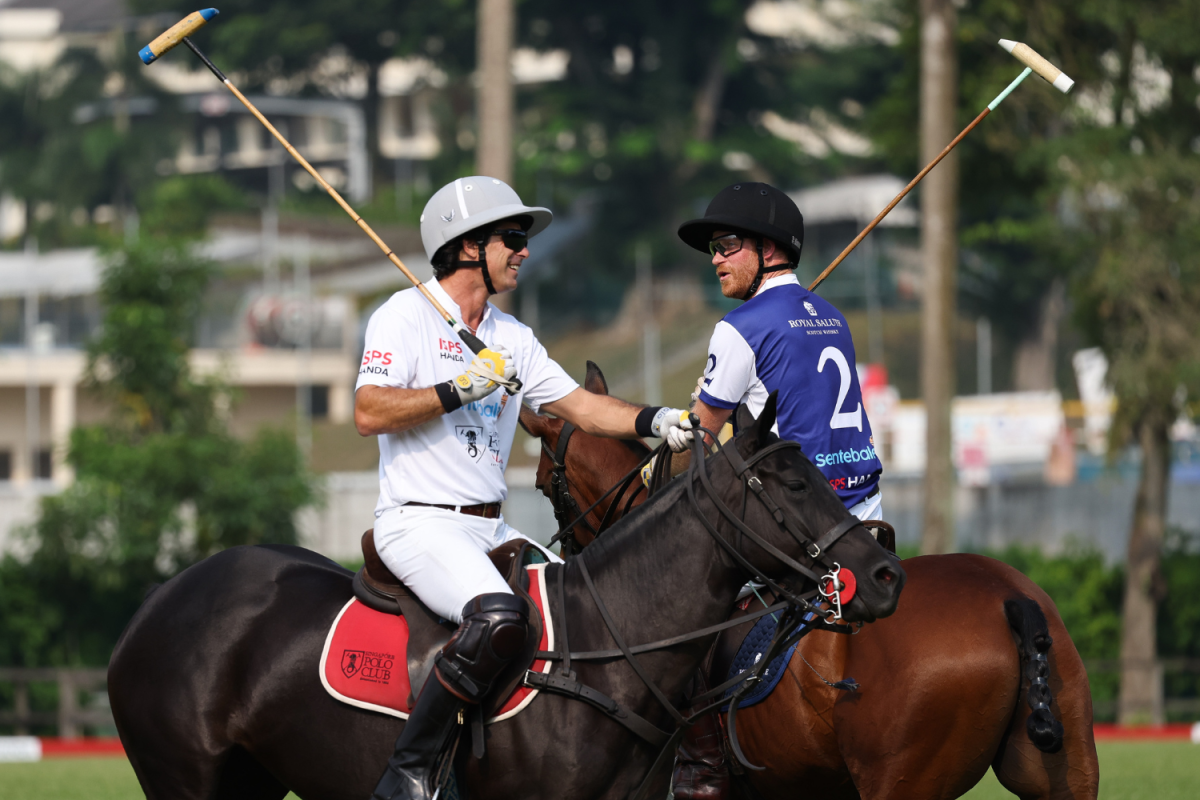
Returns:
(785,339)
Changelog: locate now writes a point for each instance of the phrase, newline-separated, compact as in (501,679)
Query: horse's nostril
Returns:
(885,575)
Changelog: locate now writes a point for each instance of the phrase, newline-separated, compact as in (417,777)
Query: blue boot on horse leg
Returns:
(493,631)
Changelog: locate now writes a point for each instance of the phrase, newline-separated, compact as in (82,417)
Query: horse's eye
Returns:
(797,486)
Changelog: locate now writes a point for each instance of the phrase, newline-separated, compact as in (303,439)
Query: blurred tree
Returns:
(664,104)
(1179,620)
(1011,267)
(1141,214)
(179,207)
(1102,192)
(1130,189)
(160,485)
(69,142)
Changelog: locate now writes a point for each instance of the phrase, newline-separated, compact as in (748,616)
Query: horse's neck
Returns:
(660,572)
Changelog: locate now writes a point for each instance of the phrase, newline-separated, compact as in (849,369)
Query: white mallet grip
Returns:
(1030,58)
(174,35)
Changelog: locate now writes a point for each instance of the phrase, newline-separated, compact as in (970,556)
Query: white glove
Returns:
(697,390)
(674,425)
(489,369)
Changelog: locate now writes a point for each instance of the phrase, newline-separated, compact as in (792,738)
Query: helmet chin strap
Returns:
(482,266)
(762,270)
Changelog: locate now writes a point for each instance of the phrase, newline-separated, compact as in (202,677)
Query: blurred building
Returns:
(35,33)
(220,133)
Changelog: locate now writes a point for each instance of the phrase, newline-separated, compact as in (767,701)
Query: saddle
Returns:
(378,589)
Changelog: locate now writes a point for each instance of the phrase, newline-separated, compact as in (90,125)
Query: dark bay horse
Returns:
(945,680)
(216,694)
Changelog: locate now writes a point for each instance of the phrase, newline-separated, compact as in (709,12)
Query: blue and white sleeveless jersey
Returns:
(789,340)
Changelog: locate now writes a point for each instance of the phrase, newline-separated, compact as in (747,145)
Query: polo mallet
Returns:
(1033,63)
(178,33)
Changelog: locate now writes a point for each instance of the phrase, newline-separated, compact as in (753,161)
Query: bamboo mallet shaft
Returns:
(178,34)
(1033,63)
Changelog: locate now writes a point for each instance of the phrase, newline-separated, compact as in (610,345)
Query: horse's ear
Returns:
(594,382)
(534,424)
(743,418)
(766,420)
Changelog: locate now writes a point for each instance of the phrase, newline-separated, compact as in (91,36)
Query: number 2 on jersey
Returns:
(841,419)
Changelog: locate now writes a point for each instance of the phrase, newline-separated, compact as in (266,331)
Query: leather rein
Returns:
(566,507)
(791,625)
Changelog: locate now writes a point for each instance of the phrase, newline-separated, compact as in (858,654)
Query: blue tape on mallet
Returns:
(174,35)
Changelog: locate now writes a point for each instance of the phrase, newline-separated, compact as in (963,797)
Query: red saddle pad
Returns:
(365,664)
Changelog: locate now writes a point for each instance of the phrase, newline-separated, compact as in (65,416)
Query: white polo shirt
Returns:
(456,458)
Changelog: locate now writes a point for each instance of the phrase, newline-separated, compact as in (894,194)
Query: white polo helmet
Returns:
(469,203)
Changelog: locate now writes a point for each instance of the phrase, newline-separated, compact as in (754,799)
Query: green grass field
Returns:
(1127,772)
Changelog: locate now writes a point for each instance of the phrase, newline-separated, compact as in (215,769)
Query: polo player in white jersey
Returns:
(445,433)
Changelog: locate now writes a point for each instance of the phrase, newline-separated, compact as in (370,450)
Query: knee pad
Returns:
(492,633)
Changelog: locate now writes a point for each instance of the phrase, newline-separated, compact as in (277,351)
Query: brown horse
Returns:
(943,694)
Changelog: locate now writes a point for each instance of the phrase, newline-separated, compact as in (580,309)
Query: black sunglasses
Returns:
(514,239)
(726,245)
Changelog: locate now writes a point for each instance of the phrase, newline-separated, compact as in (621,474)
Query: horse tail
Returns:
(1027,621)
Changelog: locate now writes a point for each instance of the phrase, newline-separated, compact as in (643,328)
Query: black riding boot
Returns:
(492,633)
(409,771)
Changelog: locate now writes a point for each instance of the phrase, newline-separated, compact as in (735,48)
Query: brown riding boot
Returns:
(700,771)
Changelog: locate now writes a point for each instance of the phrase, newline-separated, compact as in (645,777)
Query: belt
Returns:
(485,510)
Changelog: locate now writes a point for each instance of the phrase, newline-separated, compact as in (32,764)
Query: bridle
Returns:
(815,547)
(568,515)
(566,507)
(790,628)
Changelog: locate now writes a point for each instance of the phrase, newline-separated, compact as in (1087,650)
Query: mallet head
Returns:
(174,35)
(1030,58)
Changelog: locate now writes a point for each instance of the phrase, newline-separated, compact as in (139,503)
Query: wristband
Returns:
(643,424)
(451,399)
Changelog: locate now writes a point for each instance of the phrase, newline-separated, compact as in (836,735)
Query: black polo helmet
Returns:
(757,209)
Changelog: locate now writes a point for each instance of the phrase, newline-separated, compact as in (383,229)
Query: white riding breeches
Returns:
(441,555)
(871,508)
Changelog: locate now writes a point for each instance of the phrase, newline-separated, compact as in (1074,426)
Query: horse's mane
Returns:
(629,530)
